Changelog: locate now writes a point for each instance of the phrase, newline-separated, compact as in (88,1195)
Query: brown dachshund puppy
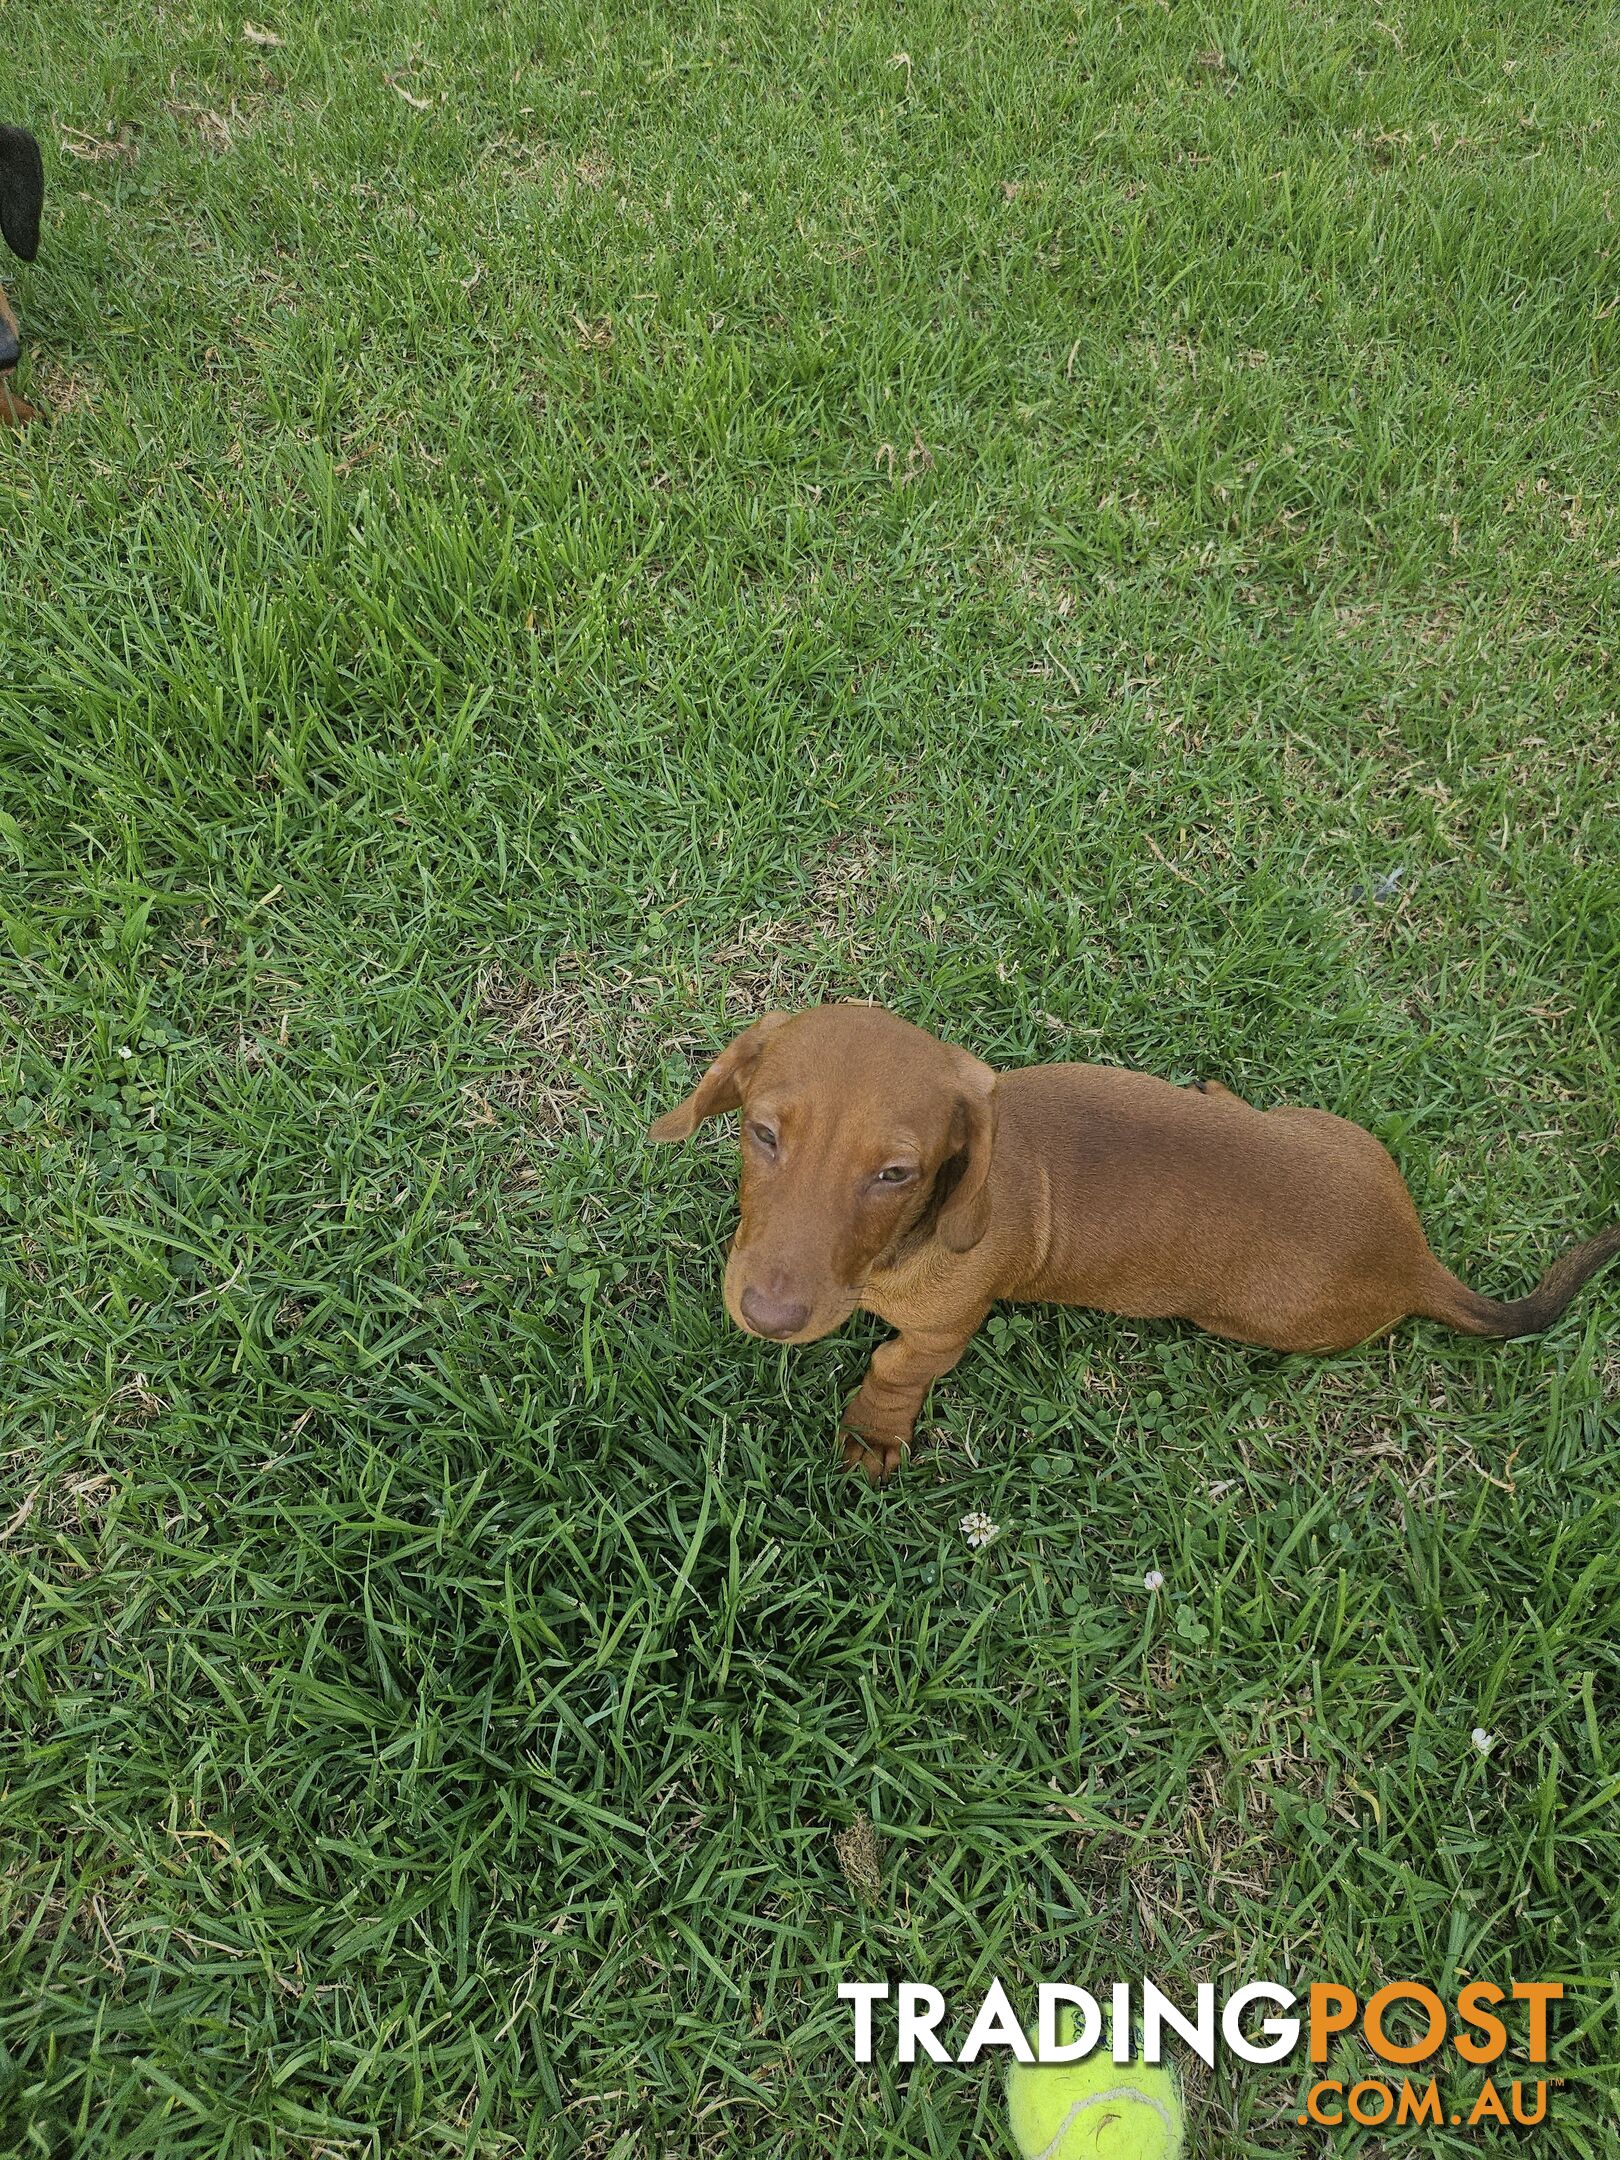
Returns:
(881,1168)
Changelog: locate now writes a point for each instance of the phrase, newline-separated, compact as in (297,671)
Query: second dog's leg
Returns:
(880,1417)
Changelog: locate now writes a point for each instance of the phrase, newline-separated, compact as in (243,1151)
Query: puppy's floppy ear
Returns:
(721,1086)
(22,191)
(965,1217)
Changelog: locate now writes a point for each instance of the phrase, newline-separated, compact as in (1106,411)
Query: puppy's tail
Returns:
(1452,1301)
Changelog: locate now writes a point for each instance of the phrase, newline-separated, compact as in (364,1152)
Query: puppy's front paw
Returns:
(873,1443)
(877,1460)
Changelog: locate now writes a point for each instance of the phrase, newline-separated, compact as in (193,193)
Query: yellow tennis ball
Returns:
(1095,2110)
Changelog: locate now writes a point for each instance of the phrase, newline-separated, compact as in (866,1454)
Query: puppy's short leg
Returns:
(881,1416)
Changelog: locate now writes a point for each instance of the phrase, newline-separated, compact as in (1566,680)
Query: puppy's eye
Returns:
(895,1174)
(764,1137)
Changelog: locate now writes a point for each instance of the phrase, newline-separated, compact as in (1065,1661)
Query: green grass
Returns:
(1024,512)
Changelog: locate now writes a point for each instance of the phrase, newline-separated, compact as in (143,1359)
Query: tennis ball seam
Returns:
(1054,2151)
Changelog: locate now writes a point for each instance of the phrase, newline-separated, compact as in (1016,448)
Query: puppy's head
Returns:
(857,1129)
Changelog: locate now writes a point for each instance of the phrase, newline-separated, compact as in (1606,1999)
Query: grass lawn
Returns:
(562,529)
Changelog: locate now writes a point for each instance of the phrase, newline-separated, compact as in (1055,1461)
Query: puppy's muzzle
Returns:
(778,1317)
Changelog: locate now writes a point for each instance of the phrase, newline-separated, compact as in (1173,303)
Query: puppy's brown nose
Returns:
(772,1315)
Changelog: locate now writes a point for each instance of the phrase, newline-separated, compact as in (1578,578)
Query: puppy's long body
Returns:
(884,1169)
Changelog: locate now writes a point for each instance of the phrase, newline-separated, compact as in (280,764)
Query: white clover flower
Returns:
(1152,1580)
(979,1530)
(1483,1740)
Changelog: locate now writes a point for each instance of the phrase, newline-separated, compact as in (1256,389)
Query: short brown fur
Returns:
(885,1170)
